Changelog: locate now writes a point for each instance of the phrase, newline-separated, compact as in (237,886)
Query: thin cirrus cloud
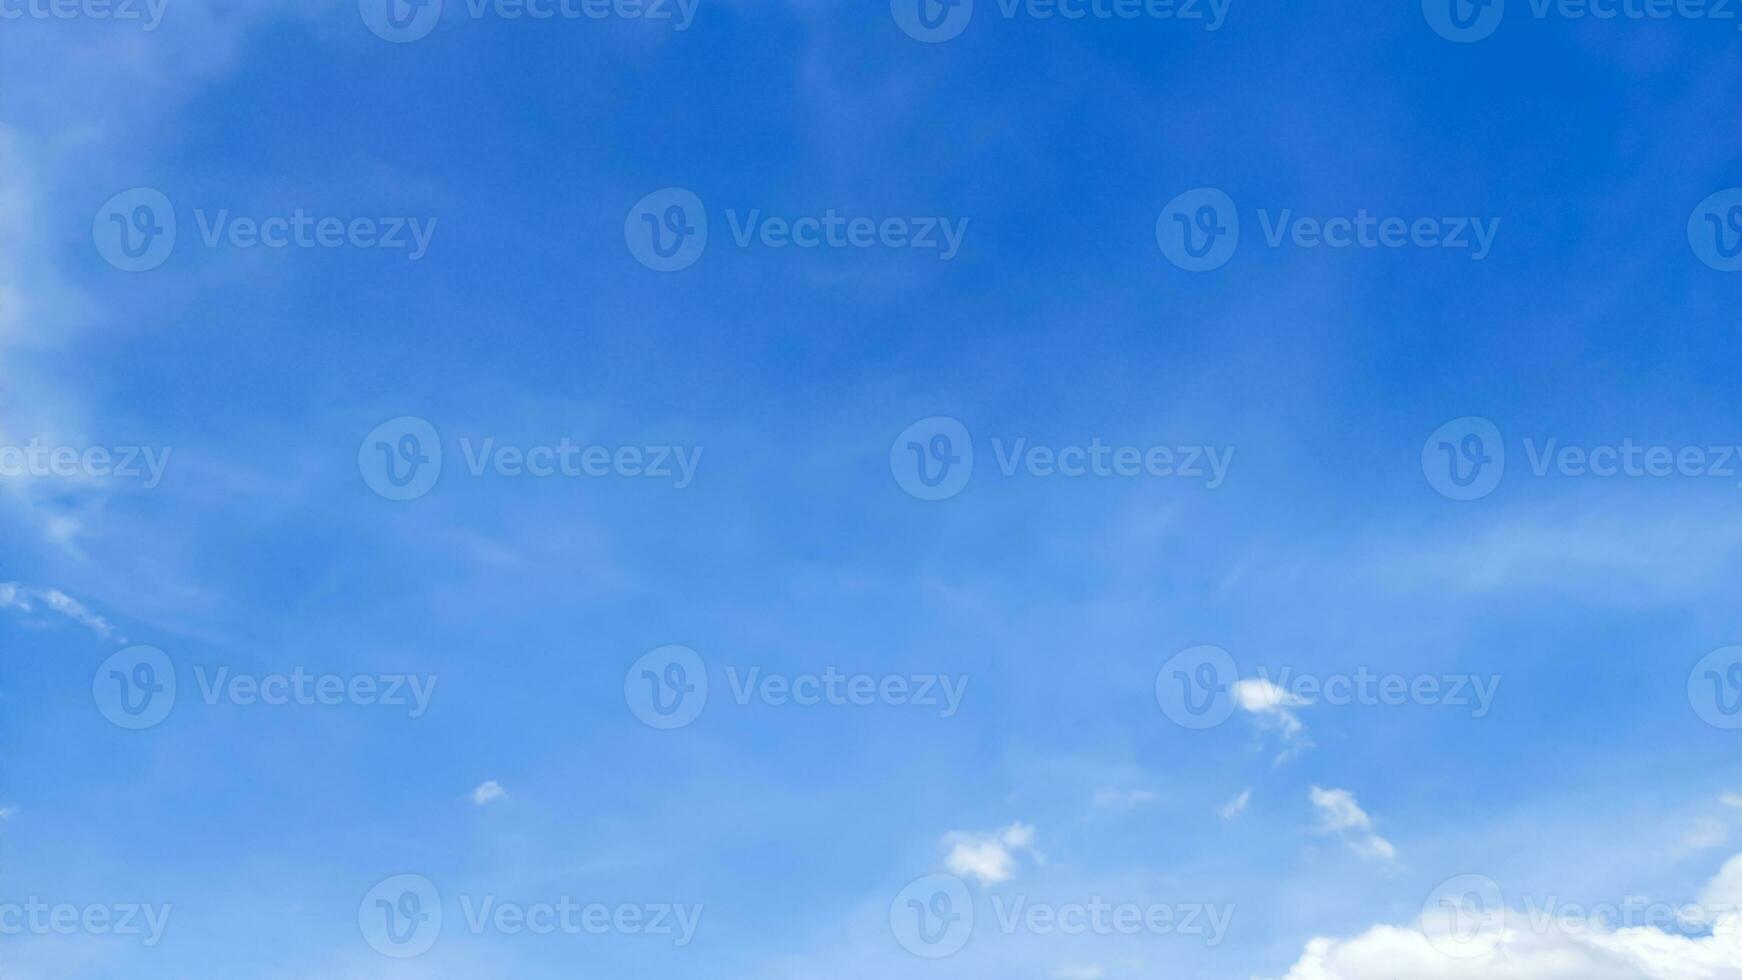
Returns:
(1236,806)
(1341,814)
(23,598)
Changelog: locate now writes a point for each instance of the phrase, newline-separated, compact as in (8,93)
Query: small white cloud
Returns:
(1259,695)
(6,812)
(1272,708)
(990,857)
(1341,814)
(1236,806)
(488,792)
(1124,799)
(1731,800)
(1079,971)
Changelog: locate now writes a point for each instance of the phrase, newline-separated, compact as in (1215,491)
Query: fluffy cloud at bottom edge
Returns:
(1531,948)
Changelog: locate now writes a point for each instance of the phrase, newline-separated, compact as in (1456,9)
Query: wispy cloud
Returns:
(1340,814)
(1236,806)
(1273,709)
(25,598)
(488,792)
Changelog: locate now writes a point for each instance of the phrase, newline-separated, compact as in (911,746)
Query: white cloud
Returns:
(1341,814)
(1731,800)
(1079,971)
(990,857)
(1388,952)
(1528,947)
(1726,890)
(488,792)
(1236,806)
(1273,709)
(21,598)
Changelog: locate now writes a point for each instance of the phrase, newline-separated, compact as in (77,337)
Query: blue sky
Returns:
(767,520)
